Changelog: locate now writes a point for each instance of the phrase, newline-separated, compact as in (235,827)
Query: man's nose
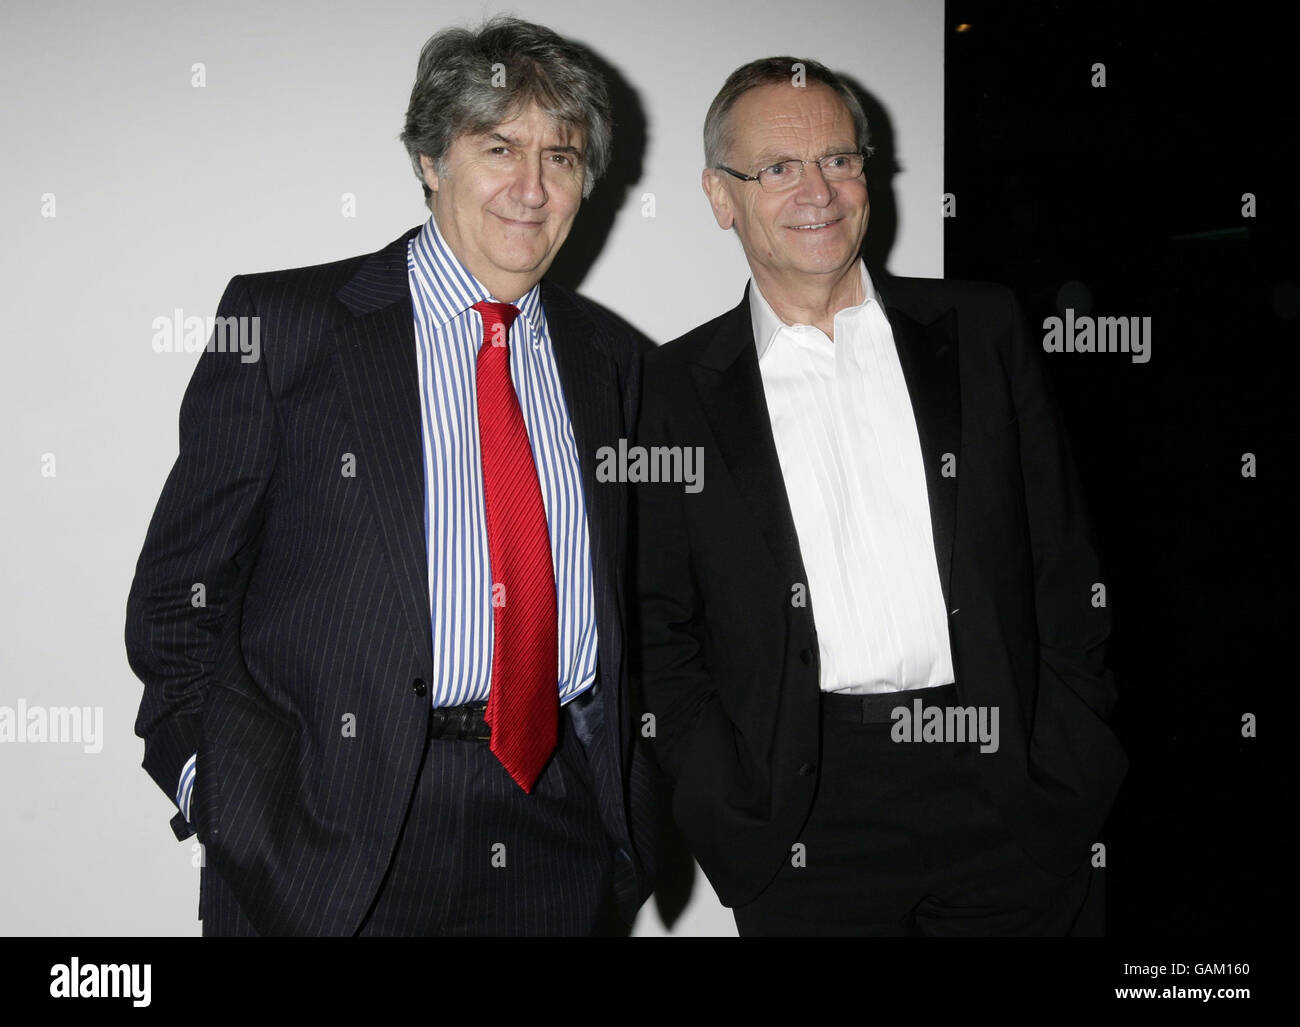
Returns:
(528,188)
(813,189)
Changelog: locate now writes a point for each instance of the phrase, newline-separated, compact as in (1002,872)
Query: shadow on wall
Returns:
(882,227)
(595,220)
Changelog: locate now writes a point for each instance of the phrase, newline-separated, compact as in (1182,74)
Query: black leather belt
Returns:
(464,723)
(878,707)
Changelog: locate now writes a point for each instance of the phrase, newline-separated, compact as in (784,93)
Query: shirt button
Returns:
(417,686)
(808,769)
(805,656)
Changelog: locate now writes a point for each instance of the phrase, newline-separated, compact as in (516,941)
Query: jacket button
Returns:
(417,686)
(806,656)
(808,769)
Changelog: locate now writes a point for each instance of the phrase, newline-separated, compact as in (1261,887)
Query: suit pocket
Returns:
(245,757)
(719,786)
(1072,751)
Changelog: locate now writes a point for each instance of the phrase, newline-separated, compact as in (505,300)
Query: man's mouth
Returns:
(815,225)
(519,222)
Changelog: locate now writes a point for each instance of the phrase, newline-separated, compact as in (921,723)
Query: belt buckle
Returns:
(463,723)
(475,727)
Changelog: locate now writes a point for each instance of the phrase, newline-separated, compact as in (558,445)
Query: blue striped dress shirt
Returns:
(448,334)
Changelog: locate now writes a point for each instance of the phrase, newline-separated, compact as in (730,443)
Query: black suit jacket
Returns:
(317,604)
(730,663)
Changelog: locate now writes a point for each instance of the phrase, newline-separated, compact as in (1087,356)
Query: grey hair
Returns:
(454,94)
(765,72)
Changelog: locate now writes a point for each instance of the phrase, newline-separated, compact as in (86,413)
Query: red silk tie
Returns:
(523,704)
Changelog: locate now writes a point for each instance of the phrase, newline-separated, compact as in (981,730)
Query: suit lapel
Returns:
(586,375)
(731,394)
(375,357)
(928,356)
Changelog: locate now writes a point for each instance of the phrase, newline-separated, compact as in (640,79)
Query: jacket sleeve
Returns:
(675,681)
(184,594)
(1073,616)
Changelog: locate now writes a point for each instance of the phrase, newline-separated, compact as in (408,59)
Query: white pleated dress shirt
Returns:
(851,458)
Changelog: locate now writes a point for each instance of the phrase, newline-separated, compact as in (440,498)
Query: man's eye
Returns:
(563,159)
(835,162)
(777,170)
(499,151)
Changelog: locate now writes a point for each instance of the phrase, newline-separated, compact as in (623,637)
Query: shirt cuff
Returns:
(185,790)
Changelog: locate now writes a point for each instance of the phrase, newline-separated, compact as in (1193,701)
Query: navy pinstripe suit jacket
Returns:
(317,601)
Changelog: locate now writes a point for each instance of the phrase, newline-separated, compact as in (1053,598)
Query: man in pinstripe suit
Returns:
(323,708)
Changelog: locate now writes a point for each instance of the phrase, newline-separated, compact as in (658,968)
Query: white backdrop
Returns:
(130,192)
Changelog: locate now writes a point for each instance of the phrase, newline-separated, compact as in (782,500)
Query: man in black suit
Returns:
(378,613)
(872,645)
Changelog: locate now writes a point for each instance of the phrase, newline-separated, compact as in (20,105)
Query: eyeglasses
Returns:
(777,178)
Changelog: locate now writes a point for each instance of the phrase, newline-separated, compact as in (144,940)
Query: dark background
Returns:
(1127,200)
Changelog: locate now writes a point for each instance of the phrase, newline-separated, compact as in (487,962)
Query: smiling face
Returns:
(507,199)
(813,229)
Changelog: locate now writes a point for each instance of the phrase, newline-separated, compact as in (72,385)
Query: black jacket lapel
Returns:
(375,356)
(928,355)
(731,394)
(586,374)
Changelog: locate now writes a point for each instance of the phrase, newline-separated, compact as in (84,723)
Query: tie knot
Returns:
(497,319)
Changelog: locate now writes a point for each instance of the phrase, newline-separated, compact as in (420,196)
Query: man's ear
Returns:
(430,171)
(719,199)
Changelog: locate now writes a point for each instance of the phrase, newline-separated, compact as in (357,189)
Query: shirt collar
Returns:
(766,324)
(446,285)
